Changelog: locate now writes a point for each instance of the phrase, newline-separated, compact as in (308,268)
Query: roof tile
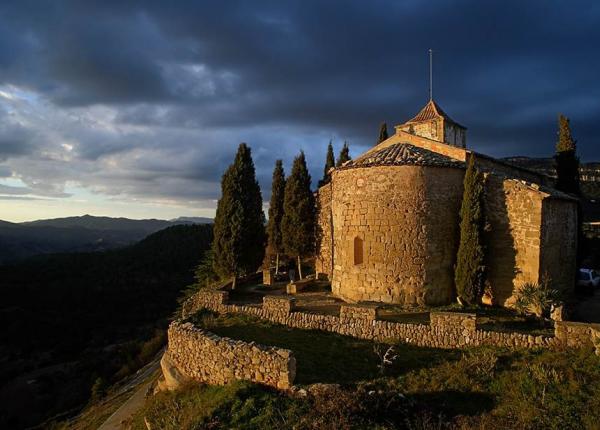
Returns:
(401,154)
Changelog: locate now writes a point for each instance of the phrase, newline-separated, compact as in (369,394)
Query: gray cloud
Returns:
(149,100)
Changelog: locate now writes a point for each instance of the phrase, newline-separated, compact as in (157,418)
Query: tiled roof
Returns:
(403,154)
(432,111)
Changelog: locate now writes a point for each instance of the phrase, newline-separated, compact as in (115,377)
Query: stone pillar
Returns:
(458,322)
(280,305)
(362,312)
(268,276)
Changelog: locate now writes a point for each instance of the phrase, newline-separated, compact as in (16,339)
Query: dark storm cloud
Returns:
(184,82)
(15,141)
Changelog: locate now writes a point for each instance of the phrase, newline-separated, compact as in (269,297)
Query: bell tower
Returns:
(433,123)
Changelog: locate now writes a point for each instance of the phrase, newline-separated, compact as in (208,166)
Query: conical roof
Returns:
(432,111)
(403,154)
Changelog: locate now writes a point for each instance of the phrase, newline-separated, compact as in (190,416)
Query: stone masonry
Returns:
(406,235)
(446,330)
(196,354)
(203,356)
(388,225)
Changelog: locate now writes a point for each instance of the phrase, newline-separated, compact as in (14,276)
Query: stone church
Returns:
(388,222)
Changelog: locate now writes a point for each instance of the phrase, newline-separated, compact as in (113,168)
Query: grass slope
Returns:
(487,388)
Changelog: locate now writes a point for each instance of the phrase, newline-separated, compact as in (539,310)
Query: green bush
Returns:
(538,298)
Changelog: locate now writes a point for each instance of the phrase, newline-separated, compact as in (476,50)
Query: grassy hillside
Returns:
(71,319)
(424,388)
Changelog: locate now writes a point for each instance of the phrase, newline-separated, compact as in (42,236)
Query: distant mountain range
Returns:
(78,234)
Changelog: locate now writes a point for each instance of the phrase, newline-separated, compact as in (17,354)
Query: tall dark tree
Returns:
(469,272)
(239,227)
(344,155)
(383,133)
(566,160)
(329,163)
(298,223)
(276,212)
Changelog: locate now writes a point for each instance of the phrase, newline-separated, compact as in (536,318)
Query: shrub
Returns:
(538,298)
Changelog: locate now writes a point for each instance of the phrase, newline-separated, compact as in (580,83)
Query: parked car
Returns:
(588,278)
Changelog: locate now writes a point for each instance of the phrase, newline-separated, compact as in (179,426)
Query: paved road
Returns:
(142,381)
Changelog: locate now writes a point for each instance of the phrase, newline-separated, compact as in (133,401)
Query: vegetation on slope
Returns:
(426,388)
(71,319)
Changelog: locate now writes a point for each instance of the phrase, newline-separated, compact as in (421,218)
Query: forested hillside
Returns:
(77,234)
(71,319)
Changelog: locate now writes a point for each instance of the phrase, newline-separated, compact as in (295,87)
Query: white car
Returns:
(588,278)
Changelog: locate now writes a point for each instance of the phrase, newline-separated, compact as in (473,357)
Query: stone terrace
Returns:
(445,329)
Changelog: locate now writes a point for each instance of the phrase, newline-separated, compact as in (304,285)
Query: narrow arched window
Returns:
(358,250)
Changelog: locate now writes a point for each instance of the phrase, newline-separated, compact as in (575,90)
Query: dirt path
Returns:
(146,378)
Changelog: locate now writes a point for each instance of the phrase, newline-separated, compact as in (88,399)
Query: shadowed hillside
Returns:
(71,319)
(77,234)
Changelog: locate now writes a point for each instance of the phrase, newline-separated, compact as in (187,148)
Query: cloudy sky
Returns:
(135,108)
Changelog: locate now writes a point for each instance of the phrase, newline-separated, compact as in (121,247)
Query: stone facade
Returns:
(395,233)
(558,243)
(388,228)
(324,239)
(203,356)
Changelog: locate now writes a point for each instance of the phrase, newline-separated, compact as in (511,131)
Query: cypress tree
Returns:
(239,229)
(344,155)
(566,160)
(383,133)
(469,271)
(329,163)
(276,212)
(298,223)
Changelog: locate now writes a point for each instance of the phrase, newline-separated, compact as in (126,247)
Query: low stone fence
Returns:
(203,356)
(209,299)
(576,334)
(279,305)
(360,312)
(446,330)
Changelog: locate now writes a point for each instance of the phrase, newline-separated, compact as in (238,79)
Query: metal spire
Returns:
(430,74)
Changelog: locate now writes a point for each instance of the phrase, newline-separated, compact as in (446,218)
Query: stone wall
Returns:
(559,243)
(395,232)
(324,259)
(576,334)
(279,305)
(505,170)
(204,298)
(514,214)
(447,330)
(454,321)
(530,235)
(358,312)
(203,356)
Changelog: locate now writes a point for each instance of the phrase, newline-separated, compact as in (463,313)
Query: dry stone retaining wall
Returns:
(203,356)
(351,312)
(447,330)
